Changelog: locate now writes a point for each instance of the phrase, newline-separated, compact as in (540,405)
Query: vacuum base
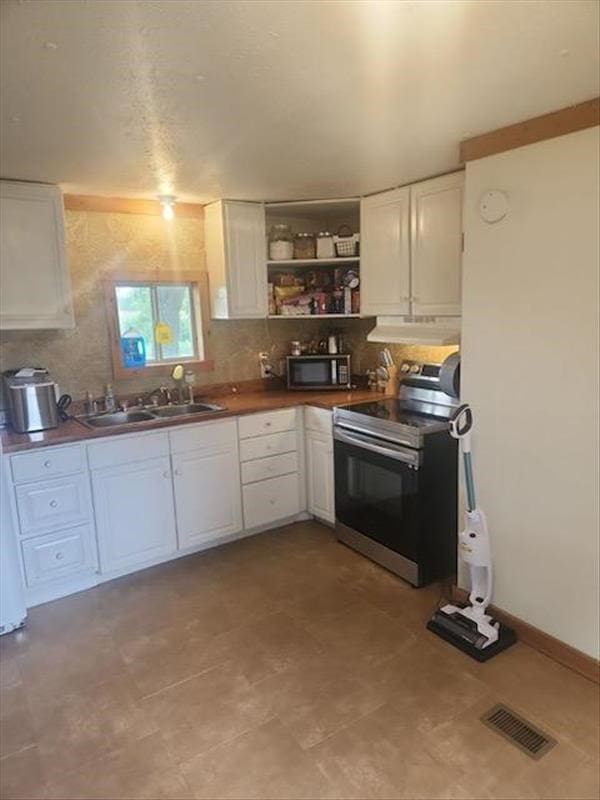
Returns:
(506,638)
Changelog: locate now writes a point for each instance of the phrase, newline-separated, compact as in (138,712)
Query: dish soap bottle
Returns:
(133,349)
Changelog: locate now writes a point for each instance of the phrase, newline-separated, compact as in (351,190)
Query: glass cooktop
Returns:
(392,410)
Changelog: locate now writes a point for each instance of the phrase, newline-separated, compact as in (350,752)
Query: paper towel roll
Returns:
(450,375)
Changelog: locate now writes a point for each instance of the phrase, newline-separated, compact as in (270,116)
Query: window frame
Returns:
(200,312)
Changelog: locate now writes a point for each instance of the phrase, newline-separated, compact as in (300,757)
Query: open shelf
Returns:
(313,316)
(313,262)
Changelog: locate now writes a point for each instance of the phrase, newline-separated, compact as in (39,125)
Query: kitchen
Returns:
(233,334)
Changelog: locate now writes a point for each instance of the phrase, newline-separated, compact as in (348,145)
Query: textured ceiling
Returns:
(276,99)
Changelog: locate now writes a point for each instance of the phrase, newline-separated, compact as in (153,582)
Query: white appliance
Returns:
(13,611)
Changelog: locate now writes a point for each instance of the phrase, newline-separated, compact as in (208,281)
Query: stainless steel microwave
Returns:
(318,372)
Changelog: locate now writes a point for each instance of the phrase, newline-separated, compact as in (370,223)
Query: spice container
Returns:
(304,245)
(325,246)
(281,243)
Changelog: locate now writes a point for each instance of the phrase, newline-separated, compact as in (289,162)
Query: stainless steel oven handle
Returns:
(376,446)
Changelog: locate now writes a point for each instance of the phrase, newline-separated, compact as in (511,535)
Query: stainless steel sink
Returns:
(186,408)
(161,412)
(118,418)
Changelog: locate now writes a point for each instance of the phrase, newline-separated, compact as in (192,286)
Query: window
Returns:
(167,312)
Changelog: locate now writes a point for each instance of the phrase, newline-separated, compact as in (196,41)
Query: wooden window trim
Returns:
(199,280)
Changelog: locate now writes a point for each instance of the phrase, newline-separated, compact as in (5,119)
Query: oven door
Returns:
(376,485)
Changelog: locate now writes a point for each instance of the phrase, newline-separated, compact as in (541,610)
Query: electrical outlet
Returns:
(265,365)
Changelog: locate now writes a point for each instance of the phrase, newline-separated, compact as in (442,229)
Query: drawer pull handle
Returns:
(53,503)
(47,463)
(59,556)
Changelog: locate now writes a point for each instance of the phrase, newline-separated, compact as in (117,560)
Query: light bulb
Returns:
(167,202)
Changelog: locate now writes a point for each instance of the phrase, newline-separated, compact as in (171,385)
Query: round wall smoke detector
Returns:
(493,206)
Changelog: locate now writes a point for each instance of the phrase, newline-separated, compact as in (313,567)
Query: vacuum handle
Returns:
(461,421)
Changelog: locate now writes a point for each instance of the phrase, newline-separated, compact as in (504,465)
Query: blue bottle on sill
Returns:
(133,349)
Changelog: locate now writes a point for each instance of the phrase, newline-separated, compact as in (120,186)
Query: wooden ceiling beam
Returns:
(128,205)
(557,123)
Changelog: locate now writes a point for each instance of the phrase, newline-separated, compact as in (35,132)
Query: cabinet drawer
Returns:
(264,446)
(127,449)
(269,422)
(208,434)
(262,468)
(53,504)
(318,419)
(270,500)
(58,555)
(48,462)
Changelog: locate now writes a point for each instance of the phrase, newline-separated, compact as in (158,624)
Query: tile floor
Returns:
(281,666)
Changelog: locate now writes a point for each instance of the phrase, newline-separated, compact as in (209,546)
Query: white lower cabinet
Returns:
(271,500)
(320,481)
(135,516)
(59,555)
(208,503)
(272,467)
(158,493)
(320,476)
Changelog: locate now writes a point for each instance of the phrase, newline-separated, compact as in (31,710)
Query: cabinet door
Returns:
(208,498)
(319,463)
(135,517)
(245,248)
(385,253)
(34,276)
(436,245)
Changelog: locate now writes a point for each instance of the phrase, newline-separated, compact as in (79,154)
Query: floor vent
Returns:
(522,734)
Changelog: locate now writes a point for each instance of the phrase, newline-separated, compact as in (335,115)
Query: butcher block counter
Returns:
(235,403)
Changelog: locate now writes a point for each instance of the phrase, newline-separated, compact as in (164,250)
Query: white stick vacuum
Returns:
(469,628)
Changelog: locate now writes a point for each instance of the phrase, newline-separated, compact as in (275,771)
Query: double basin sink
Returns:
(146,415)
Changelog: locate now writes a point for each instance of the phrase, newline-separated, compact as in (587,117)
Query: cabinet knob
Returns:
(272,502)
(59,556)
(53,503)
(268,424)
(166,473)
(47,463)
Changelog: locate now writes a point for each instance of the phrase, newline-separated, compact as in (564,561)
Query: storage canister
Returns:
(281,243)
(325,246)
(304,245)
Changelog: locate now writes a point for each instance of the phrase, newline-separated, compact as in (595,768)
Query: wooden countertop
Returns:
(235,405)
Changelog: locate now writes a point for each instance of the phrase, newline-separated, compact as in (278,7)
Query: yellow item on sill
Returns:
(163,333)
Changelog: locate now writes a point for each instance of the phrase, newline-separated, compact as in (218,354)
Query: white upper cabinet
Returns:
(34,275)
(436,245)
(412,249)
(385,253)
(236,259)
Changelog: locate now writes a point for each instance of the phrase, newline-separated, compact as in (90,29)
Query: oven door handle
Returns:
(389,450)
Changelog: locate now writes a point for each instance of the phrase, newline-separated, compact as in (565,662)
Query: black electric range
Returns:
(396,474)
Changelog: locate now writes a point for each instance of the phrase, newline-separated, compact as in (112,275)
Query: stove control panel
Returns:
(414,369)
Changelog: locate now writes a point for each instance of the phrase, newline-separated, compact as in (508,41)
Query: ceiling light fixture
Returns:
(167,202)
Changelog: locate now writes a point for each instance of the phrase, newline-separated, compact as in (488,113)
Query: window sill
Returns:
(123,373)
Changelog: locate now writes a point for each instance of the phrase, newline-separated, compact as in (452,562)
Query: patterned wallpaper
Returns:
(97,243)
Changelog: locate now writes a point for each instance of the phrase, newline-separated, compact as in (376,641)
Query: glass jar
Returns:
(281,243)
(304,245)
(325,245)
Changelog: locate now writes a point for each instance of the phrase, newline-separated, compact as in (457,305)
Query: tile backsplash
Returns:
(98,243)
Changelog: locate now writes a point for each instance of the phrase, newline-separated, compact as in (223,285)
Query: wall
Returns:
(99,243)
(530,371)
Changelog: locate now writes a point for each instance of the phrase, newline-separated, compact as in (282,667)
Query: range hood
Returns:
(416,330)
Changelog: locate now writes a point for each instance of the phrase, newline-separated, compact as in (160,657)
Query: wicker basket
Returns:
(346,242)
